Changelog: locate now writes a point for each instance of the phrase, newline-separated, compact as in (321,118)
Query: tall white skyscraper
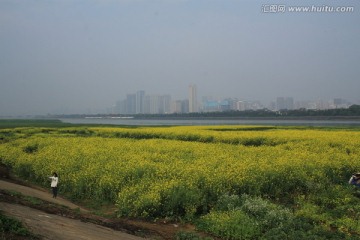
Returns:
(193,105)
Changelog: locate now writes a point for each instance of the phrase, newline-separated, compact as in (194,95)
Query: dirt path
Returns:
(38,193)
(51,226)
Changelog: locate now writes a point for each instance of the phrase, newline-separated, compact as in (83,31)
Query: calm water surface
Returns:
(198,122)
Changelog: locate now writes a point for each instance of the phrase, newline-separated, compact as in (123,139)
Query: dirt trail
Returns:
(51,226)
(38,193)
(55,227)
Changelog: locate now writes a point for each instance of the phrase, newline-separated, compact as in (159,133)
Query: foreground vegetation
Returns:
(11,228)
(235,182)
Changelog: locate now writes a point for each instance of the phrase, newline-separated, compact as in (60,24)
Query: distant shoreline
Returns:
(164,117)
(254,118)
(217,121)
(169,117)
(103,121)
(339,114)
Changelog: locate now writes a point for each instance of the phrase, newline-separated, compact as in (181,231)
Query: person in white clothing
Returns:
(54,184)
(355,179)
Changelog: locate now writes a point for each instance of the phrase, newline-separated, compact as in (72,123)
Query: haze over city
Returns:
(64,57)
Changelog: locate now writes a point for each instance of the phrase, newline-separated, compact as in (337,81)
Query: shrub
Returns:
(230,225)
(31,148)
(180,201)
(228,203)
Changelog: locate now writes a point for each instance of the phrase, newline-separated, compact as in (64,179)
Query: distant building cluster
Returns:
(288,103)
(210,104)
(142,103)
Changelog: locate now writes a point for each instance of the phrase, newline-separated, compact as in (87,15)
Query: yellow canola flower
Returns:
(139,168)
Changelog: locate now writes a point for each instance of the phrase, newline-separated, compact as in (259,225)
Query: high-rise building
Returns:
(289,103)
(180,106)
(131,103)
(155,104)
(120,107)
(176,106)
(140,101)
(284,103)
(280,103)
(151,104)
(165,104)
(241,105)
(193,105)
(185,106)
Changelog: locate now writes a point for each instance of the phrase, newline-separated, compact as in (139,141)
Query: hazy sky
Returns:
(75,56)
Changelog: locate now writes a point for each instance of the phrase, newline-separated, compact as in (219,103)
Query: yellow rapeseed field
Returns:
(183,171)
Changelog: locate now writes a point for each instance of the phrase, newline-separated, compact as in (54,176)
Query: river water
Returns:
(198,122)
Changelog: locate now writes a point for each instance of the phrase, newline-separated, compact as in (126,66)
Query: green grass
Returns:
(55,123)
(14,123)
(11,228)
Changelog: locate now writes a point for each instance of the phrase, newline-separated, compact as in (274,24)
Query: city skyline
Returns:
(166,104)
(82,56)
